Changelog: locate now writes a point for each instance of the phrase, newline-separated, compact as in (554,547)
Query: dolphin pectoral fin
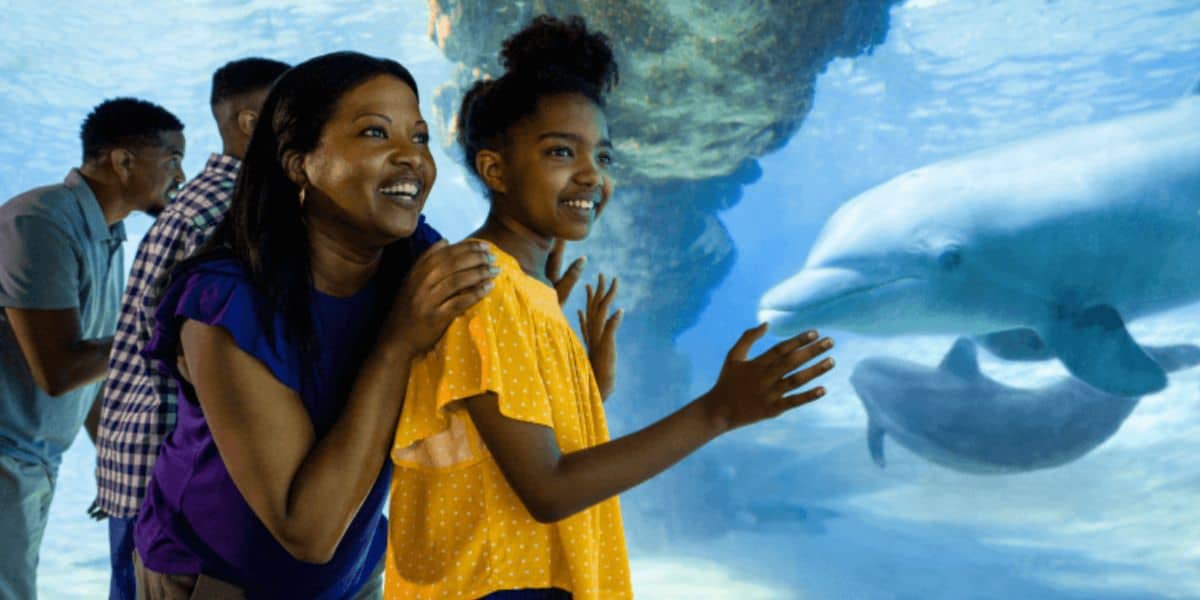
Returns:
(1017,345)
(1175,358)
(875,442)
(961,360)
(1095,346)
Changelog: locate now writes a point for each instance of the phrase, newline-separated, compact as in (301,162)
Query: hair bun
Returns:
(552,48)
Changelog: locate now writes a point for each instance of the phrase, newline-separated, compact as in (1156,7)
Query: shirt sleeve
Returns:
(488,349)
(39,265)
(229,302)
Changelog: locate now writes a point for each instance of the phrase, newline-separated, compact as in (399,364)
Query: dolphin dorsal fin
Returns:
(962,359)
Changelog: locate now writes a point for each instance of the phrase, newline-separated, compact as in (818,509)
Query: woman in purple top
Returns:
(291,333)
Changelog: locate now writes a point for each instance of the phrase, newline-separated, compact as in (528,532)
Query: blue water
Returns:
(953,76)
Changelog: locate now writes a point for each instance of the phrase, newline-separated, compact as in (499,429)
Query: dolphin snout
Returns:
(803,300)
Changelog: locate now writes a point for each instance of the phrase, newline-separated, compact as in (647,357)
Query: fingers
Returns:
(454,306)
(789,402)
(801,378)
(741,348)
(554,261)
(566,283)
(788,362)
(583,329)
(607,298)
(610,328)
(459,282)
(787,346)
(436,265)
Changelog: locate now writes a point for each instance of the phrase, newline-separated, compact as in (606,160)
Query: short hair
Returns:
(125,122)
(244,76)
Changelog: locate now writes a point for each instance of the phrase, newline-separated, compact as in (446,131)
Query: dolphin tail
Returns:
(875,442)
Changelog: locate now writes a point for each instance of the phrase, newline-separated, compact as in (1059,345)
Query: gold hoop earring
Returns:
(303,190)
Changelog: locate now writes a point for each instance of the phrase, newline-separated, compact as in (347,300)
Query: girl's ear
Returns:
(490,166)
(293,164)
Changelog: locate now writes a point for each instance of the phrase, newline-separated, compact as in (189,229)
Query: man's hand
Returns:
(95,512)
(566,282)
(599,331)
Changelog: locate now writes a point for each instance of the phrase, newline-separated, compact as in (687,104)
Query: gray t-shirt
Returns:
(56,252)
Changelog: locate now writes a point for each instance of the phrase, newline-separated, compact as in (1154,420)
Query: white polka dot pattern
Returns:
(457,530)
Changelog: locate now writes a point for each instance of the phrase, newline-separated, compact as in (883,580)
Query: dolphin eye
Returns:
(950,258)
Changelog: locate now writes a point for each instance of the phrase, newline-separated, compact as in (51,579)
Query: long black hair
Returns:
(549,56)
(264,229)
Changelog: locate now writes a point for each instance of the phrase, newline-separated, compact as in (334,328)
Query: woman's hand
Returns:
(599,331)
(751,390)
(444,282)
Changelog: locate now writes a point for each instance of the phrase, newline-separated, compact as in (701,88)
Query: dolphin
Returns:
(955,416)
(1045,246)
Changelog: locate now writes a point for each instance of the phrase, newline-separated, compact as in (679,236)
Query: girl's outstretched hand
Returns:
(751,390)
(442,284)
(599,331)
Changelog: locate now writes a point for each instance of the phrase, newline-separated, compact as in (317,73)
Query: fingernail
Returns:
(826,343)
(490,257)
(829,363)
(487,286)
(582,260)
(812,335)
(481,245)
(494,270)
(820,392)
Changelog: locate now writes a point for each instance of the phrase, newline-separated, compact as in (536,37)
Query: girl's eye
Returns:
(561,151)
(421,138)
(605,159)
(375,132)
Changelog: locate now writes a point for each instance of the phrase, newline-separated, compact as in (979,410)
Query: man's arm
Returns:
(91,424)
(58,358)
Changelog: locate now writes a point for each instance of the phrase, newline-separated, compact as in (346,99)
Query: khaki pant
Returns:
(152,585)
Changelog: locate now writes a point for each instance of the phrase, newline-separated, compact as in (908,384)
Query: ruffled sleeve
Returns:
(491,348)
(217,293)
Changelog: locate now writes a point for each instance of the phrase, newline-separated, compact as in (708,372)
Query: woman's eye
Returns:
(605,160)
(375,132)
(560,151)
(421,138)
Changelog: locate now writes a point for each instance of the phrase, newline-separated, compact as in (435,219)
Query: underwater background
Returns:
(740,130)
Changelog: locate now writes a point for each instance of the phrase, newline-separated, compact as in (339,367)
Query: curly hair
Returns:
(549,56)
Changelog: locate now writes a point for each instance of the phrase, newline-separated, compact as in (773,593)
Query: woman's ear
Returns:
(490,166)
(293,165)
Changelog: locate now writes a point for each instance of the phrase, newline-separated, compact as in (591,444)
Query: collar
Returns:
(223,164)
(89,207)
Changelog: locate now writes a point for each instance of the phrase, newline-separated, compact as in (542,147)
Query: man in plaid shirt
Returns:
(138,404)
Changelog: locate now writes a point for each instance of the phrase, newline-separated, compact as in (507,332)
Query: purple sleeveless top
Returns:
(194,520)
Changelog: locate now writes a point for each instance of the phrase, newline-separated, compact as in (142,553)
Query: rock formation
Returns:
(707,86)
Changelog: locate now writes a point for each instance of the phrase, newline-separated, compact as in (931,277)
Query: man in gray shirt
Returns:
(61,272)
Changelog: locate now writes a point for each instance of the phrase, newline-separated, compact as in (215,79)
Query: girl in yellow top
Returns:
(505,482)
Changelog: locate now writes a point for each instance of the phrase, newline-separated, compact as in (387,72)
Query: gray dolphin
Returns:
(955,416)
(1054,242)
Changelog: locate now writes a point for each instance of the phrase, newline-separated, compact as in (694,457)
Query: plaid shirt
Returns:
(138,407)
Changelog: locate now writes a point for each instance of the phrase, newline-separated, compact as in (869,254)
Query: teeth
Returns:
(401,189)
(580,204)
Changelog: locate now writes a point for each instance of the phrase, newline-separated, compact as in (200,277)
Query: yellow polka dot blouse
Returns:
(457,530)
